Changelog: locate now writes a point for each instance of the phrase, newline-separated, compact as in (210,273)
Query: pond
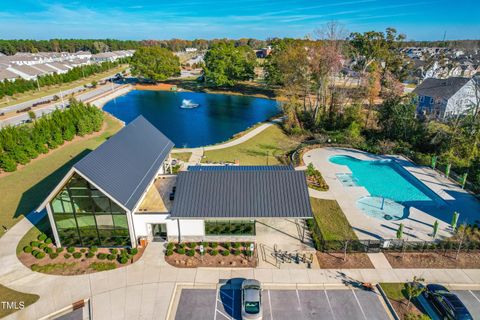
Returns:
(216,119)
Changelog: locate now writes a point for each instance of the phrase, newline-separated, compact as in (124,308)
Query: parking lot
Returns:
(224,303)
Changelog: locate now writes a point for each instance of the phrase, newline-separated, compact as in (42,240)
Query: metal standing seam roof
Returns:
(125,164)
(241,194)
(238,168)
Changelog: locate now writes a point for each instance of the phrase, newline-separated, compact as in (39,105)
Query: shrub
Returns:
(59,250)
(77,255)
(67,255)
(48,241)
(204,244)
(237,252)
(35,252)
(42,237)
(48,250)
(53,255)
(123,260)
(90,254)
(102,266)
(213,252)
(102,256)
(27,249)
(191,252)
(192,245)
(170,246)
(227,245)
(169,253)
(181,245)
(40,255)
(34,243)
(133,251)
(93,249)
(213,245)
(42,245)
(225,253)
(112,257)
(70,249)
(113,251)
(237,245)
(83,250)
(181,251)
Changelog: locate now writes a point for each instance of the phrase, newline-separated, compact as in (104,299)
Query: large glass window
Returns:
(84,216)
(230,227)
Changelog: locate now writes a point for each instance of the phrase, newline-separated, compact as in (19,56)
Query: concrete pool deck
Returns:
(419,224)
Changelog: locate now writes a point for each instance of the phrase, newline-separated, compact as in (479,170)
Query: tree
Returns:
(155,63)
(397,118)
(226,64)
(414,288)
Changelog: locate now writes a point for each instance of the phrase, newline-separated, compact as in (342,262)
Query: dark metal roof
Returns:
(241,194)
(126,163)
(239,168)
(440,88)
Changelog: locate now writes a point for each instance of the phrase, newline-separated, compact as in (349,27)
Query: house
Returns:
(6,75)
(124,192)
(442,98)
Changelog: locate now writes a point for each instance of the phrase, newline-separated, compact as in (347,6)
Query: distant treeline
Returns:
(9,88)
(18,145)
(458,44)
(10,47)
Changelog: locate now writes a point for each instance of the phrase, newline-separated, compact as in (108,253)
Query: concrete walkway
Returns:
(144,289)
(230,143)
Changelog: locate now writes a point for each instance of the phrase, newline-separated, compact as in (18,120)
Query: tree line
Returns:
(20,85)
(20,144)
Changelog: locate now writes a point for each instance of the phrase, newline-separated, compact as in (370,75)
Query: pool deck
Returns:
(419,224)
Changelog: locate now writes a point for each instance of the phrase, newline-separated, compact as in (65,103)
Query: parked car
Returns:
(447,304)
(251,300)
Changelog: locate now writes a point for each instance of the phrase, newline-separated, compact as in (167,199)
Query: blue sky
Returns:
(189,19)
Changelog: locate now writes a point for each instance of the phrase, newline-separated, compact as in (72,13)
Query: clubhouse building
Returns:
(124,191)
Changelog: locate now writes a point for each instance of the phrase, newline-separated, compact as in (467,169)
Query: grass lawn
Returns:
(331,220)
(9,295)
(29,186)
(46,91)
(399,301)
(184,156)
(259,150)
(394,291)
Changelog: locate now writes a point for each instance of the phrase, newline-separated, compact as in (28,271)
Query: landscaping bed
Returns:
(42,256)
(398,299)
(226,254)
(335,261)
(436,260)
(315,179)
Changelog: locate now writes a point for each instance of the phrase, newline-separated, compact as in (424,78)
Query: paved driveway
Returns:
(224,303)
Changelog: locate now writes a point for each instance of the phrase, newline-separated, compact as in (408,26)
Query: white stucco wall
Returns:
(187,227)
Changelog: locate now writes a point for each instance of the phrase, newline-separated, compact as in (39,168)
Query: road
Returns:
(60,104)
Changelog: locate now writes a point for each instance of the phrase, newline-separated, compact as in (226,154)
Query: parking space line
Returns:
(216,304)
(329,304)
(298,300)
(474,295)
(270,303)
(358,302)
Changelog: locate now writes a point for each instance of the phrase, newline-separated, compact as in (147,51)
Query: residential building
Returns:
(6,75)
(442,98)
(124,191)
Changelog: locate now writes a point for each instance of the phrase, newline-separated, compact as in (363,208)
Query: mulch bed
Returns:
(434,260)
(230,261)
(72,265)
(402,310)
(335,261)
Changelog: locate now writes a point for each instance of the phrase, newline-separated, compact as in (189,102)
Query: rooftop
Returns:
(440,88)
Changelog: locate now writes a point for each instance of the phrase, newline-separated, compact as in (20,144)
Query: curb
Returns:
(387,302)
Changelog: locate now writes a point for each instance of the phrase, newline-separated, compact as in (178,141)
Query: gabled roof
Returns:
(238,168)
(440,88)
(124,165)
(244,194)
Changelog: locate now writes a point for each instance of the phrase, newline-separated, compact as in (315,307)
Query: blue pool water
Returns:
(217,118)
(385,178)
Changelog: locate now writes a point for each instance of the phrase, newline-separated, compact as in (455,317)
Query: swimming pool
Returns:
(385,178)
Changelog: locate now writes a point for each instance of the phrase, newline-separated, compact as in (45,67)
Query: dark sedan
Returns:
(447,304)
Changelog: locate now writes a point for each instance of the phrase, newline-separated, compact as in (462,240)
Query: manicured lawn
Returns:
(394,290)
(259,150)
(46,91)
(9,295)
(26,188)
(184,156)
(331,220)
